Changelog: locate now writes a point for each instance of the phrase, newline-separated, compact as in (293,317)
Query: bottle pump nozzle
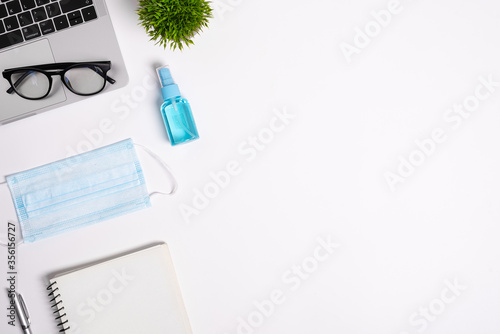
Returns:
(169,89)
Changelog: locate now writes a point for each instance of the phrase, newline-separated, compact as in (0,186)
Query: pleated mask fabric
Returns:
(79,191)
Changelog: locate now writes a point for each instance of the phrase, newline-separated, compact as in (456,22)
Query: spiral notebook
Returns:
(130,294)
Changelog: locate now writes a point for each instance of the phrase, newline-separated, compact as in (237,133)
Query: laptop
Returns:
(34,32)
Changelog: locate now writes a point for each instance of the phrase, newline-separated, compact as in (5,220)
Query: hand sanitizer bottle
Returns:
(175,111)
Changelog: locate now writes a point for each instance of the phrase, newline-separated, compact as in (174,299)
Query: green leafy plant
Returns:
(174,22)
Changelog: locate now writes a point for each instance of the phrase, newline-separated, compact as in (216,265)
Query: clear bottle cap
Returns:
(169,89)
(165,76)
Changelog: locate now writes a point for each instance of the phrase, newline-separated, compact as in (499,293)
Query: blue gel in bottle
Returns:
(175,110)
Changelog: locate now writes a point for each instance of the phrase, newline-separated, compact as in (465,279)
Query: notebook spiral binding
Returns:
(57,304)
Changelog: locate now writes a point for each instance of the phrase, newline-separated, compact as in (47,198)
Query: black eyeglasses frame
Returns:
(60,69)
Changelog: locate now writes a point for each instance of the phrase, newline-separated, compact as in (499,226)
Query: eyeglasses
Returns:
(35,82)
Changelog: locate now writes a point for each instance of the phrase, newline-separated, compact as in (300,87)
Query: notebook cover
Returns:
(130,294)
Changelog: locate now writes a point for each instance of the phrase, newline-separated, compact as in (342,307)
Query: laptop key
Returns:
(53,9)
(47,27)
(2,28)
(61,22)
(31,32)
(75,18)
(89,13)
(39,14)
(28,4)
(3,11)
(14,7)
(76,21)
(68,6)
(42,2)
(25,19)
(11,23)
(11,38)
(74,15)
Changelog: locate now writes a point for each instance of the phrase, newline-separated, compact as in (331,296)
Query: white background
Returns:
(322,176)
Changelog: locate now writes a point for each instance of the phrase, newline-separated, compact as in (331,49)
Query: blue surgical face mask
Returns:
(79,191)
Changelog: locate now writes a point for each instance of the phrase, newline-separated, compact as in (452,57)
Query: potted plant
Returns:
(174,23)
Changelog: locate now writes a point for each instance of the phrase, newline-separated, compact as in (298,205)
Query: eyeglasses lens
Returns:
(30,84)
(85,79)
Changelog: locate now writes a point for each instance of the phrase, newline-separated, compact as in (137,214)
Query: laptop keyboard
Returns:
(22,20)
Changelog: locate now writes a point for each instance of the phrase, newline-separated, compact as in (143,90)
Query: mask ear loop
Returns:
(165,166)
(6,244)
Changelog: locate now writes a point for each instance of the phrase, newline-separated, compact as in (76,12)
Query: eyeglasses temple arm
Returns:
(18,81)
(108,79)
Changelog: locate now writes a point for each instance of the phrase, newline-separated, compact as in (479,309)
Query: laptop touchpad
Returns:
(12,105)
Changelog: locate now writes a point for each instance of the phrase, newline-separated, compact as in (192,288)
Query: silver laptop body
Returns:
(34,32)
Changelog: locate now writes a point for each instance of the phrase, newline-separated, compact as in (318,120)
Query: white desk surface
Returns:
(422,258)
